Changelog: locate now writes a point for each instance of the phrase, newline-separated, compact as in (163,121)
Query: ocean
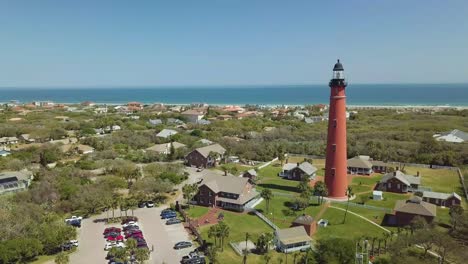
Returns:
(357,94)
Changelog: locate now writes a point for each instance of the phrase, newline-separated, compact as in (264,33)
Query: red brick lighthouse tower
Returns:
(336,162)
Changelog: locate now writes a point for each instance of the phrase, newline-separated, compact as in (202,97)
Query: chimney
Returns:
(298,164)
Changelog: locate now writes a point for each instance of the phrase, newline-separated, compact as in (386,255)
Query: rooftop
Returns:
(292,235)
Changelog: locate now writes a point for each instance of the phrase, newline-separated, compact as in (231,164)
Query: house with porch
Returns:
(227,192)
(297,171)
(442,199)
(399,182)
(364,165)
(292,239)
(201,157)
(15,181)
(193,116)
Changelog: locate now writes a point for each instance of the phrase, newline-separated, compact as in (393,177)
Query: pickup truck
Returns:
(73,218)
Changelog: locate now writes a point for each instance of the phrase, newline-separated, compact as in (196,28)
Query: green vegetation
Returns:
(440,180)
(197,211)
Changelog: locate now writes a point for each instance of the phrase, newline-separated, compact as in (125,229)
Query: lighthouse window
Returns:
(334,123)
(333,172)
(334,147)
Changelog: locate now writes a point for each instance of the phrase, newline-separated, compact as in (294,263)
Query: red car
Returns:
(133,232)
(135,236)
(118,238)
(112,230)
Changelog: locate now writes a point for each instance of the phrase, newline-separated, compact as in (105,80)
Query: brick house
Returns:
(442,199)
(308,222)
(399,182)
(296,171)
(407,210)
(201,158)
(227,192)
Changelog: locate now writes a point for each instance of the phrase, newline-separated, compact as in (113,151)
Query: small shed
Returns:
(308,222)
(377,195)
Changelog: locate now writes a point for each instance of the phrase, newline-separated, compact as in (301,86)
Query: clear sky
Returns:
(230,42)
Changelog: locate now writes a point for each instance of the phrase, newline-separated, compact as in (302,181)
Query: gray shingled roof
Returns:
(230,184)
(406,179)
(205,151)
(252,172)
(306,167)
(457,133)
(292,235)
(359,162)
(415,206)
(438,195)
(304,220)
(165,147)
(165,133)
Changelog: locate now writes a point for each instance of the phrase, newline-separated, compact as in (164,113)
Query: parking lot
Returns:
(159,236)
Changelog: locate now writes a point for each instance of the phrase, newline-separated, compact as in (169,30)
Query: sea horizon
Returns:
(372,95)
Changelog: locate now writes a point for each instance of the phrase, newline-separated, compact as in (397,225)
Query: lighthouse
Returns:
(336,161)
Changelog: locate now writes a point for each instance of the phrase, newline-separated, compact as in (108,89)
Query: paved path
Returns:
(362,217)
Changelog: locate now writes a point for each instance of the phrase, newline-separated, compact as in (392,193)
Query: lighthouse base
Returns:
(340,199)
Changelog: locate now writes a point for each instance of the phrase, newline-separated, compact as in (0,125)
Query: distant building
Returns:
(8,140)
(292,239)
(227,192)
(175,121)
(233,109)
(155,122)
(134,106)
(315,119)
(442,199)
(407,210)
(27,138)
(165,148)
(84,149)
(308,222)
(364,165)
(166,133)
(201,158)
(193,116)
(4,153)
(205,141)
(15,181)
(297,171)
(251,174)
(399,182)
(454,136)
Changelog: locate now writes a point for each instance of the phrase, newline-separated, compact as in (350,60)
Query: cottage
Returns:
(8,140)
(27,138)
(134,106)
(308,222)
(296,171)
(201,157)
(166,133)
(165,148)
(364,165)
(193,116)
(399,182)
(292,239)
(442,199)
(407,210)
(251,174)
(155,122)
(15,181)
(227,192)
(454,136)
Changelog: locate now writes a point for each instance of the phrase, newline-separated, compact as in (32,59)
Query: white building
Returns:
(454,136)
(292,239)
(377,195)
(193,116)
(166,133)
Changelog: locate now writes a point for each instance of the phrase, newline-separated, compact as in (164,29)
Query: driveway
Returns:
(157,234)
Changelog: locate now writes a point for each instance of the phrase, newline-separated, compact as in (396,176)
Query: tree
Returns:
(263,242)
(188,191)
(213,232)
(320,190)
(62,258)
(349,193)
(142,254)
(456,213)
(335,250)
(267,195)
(267,257)
(425,239)
(280,154)
(212,254)
(223,231)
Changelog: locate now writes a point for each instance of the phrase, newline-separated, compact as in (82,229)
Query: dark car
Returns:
(168,210)
(131,227)
(135,235)
(168,215)
(182,244)
(75,223)
(129,219)
(173,221)
(198,260)
(67,246)
(141,204)
(132,232)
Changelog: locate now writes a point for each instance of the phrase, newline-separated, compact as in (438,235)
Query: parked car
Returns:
(135,235)
(67,246)
(132,232)
(74,223)
(141,204)
(167,210)
(73,242)
(168,215)
(131,223)
(191,256)
(149,204)
(182,244)
(129,219)
(111,229)
(73,218)
(198,260)
(118,238)
(130,228)
(110,245)
(173,221)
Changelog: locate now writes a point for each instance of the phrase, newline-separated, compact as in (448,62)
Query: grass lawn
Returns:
(197,211)
(354,227)
(360,188)
(239,225)
(389,199)
(439,180)
(367,180)
(269,179)
(281,214)
(43,259)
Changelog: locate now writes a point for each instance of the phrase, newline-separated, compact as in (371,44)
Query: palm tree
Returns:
(246,251)
(223,230)
(225,168)
(132,204)
(189,190)
(213,232)
(349,193)
(62,258)
(267,195)
(212,254)
(267,258)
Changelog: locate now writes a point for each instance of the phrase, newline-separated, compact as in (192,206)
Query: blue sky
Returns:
(228,42)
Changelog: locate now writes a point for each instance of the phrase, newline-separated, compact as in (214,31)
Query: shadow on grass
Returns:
(278,187)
